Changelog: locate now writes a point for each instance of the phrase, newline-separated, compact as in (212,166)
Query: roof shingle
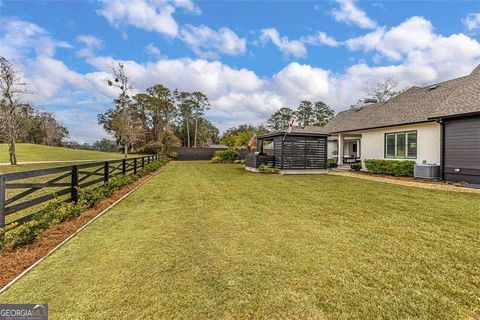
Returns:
(452,97)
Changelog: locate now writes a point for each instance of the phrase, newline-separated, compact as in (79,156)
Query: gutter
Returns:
(460,115)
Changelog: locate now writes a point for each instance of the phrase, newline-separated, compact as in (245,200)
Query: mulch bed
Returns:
(12,263)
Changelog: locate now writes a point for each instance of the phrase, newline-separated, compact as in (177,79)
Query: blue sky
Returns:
(249,57)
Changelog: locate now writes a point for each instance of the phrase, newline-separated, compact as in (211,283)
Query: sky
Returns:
(249,57)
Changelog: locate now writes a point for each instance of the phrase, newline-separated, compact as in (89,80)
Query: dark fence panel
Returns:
(203,153)
(195,153)
(72,177)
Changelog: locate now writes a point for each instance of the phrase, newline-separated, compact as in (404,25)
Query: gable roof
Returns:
(415,105)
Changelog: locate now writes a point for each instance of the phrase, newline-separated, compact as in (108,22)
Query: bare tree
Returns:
(54,132)
(12,90)
(383,90)
(127,127)
(123,122)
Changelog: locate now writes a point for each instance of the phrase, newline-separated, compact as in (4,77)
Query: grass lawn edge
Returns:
(140,183)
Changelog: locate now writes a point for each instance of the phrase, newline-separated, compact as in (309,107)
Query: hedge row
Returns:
(58,211)
(225,156)
(398,168)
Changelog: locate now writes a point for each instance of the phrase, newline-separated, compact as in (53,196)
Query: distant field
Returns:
(33,152)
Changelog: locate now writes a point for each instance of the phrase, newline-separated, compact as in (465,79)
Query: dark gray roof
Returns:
(415,105)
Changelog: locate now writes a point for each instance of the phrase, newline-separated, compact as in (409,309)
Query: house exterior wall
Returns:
(428,142)
(372,145)
(332,149)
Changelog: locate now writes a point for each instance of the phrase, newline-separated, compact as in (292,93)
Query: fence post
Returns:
(135,166)
(106,173)
(74,192)
(143,162)
(124,166)
(2,202)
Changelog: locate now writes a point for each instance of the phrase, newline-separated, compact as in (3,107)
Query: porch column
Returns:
(340,149)
(359,148)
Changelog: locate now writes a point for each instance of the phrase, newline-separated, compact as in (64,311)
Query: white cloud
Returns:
(157,15)
(349,13)
(321,38)
(426,47)
(300,80)
(20,39)
(472,21)
(295,48)
(151,15)
(152,50)
(90,45)
(207,42)
(188,5)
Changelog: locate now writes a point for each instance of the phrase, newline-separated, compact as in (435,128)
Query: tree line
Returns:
(306,114)
(157,119)
(21,122)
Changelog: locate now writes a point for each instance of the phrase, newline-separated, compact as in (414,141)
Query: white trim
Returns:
(11,283)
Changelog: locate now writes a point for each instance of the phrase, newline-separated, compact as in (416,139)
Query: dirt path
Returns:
(403,182)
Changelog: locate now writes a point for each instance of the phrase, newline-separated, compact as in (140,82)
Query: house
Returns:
(438,124)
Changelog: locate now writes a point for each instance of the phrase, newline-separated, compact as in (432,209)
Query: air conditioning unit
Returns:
(427,171)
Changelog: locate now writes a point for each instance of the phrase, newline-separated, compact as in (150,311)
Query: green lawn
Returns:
(33,152)
(211,241)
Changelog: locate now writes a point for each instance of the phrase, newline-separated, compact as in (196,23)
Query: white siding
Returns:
(373,142)
(428,142)
(332,148)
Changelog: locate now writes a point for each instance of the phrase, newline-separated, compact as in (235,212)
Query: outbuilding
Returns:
(301,151)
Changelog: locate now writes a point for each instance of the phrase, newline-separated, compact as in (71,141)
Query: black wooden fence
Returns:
(67,182)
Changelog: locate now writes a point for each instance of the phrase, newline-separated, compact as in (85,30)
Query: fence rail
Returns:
(76,176)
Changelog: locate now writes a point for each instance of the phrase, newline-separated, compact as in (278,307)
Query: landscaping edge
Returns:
(95,216)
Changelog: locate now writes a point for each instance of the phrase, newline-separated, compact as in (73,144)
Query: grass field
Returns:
(33,152)
(203,241)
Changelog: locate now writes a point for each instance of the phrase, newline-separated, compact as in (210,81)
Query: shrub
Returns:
(225,156)
(331,164)
(172,154)
(5,238)
(216,159)
(28,233)
(168,139)
(398,168)
(153,147)
(93,196)
(265,168)
(356,166)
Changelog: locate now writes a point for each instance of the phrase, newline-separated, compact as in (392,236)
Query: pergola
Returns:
(294,151)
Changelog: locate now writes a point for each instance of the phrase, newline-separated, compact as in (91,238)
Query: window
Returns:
(401,145)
